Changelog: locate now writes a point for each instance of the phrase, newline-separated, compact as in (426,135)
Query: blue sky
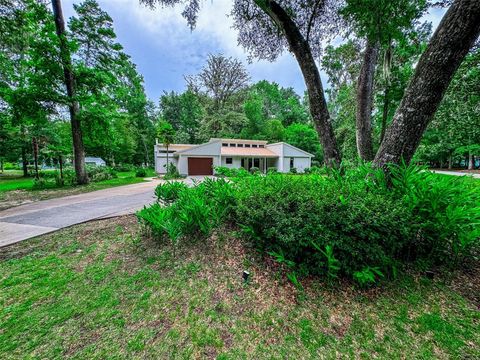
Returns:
(164,49)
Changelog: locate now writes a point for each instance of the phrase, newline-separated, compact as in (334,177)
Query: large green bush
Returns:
(351,222)
(100,173)
(300,215)
(141,172)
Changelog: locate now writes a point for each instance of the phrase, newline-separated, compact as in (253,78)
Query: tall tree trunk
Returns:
(386,106)
(470,160)
(35,156)
(78,148)
(60,163)
(302,51)
(365,102)
(455,35)
(24,161)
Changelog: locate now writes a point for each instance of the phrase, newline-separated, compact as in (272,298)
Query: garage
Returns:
(200,166)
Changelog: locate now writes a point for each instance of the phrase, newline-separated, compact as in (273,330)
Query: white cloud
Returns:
(161,43)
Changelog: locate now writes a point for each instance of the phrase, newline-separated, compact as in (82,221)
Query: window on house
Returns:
(292,163)
(261,146)
(247,145)
(239,145)
(233,145)
(254,145)
(256,163)
(229,161)
(224,144)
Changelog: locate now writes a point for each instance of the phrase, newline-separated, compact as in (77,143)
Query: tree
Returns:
(29,75)
(184,112)
(220,78)
(454,133)
(267,27)
(304,137)
(379,22)
(166,135)
(78,147)
(93,32)
(110,90)
(279,103)
(455,35)
(230,124)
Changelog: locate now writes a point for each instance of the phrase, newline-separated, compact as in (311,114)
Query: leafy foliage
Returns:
(356,224)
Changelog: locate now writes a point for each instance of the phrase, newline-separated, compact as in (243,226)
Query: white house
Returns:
(89,160)
(234,153)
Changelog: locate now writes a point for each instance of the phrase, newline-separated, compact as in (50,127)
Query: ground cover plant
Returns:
(356,224)
(103,290)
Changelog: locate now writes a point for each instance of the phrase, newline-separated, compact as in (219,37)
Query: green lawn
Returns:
(101,290)
(15,183)
(13,180)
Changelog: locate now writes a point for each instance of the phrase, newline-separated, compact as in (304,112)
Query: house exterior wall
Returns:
(299,163)
(161,163)
(236,162)
(210,149)
(278,149)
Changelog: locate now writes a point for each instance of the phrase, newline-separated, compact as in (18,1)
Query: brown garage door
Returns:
(200,166)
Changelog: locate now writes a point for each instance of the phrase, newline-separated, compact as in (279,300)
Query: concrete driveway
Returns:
(29,220)
(457,173)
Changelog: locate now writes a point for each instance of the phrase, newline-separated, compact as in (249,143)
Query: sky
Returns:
(164,49)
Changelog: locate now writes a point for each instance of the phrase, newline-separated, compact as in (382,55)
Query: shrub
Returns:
(141,172)
(59,182)
(100,173)
(224,171)
(41,183)
(299,215)
(172,173)
(169,191)
(446,209)
(254,170)
(124,168)
(272,170)
(317,170)
(11,166)
(293,170)
(195,211)
(350,223)
(69,177)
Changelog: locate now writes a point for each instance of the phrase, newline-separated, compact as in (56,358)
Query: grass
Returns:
(101,290)
(15,190)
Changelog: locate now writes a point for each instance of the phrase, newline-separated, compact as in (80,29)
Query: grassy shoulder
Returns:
(102,290)
(16,190)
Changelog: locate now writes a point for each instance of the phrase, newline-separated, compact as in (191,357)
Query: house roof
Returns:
(307,154)
(177,146)
(93,159)
(239,141)
(235,151)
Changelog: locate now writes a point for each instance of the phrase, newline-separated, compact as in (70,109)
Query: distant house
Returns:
(96,161)
(233,153)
